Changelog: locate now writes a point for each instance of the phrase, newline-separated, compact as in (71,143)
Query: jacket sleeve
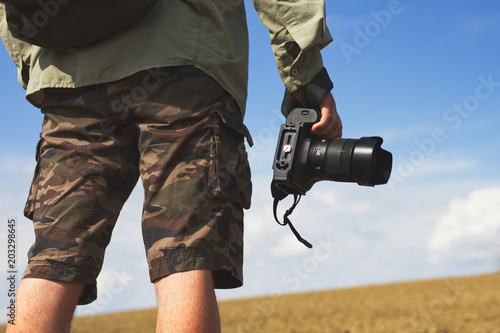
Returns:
(298,32)
(19,51)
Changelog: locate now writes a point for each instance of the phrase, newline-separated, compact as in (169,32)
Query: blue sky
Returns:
(423,75)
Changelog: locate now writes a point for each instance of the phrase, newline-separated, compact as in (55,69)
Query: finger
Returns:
(332,124)
(324,122)
(329,127)
(328,133)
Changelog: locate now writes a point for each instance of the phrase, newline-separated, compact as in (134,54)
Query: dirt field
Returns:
(469,305)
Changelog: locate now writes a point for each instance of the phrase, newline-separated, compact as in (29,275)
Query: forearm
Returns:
(298,32)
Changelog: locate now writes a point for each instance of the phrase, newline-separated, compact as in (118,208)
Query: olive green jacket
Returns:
(208,34)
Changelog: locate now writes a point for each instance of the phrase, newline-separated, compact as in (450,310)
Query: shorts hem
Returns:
(65,272)
(225,274)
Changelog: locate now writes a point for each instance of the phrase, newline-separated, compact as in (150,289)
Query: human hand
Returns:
(329,126)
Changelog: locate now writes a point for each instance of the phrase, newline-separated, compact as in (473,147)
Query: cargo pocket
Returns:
(229,171)
(29,208)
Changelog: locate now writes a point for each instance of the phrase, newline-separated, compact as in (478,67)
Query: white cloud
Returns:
(338,202)
(288,246)
(22,165)
(470,230)
(446,164)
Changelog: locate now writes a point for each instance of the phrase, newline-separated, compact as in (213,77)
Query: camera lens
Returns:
(350,160)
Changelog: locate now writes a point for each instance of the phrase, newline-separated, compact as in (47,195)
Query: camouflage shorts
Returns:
(183,135)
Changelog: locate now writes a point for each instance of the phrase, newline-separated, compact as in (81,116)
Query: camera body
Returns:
(302,159)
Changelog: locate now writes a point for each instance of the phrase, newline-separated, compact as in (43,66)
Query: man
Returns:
(163,100)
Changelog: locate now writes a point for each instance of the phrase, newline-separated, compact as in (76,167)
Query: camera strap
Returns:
(317,88)
(286,220)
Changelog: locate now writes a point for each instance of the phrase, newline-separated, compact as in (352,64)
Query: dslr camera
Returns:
(302,159)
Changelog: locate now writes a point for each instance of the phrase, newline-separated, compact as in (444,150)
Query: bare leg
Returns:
(187,303)
(45,306)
